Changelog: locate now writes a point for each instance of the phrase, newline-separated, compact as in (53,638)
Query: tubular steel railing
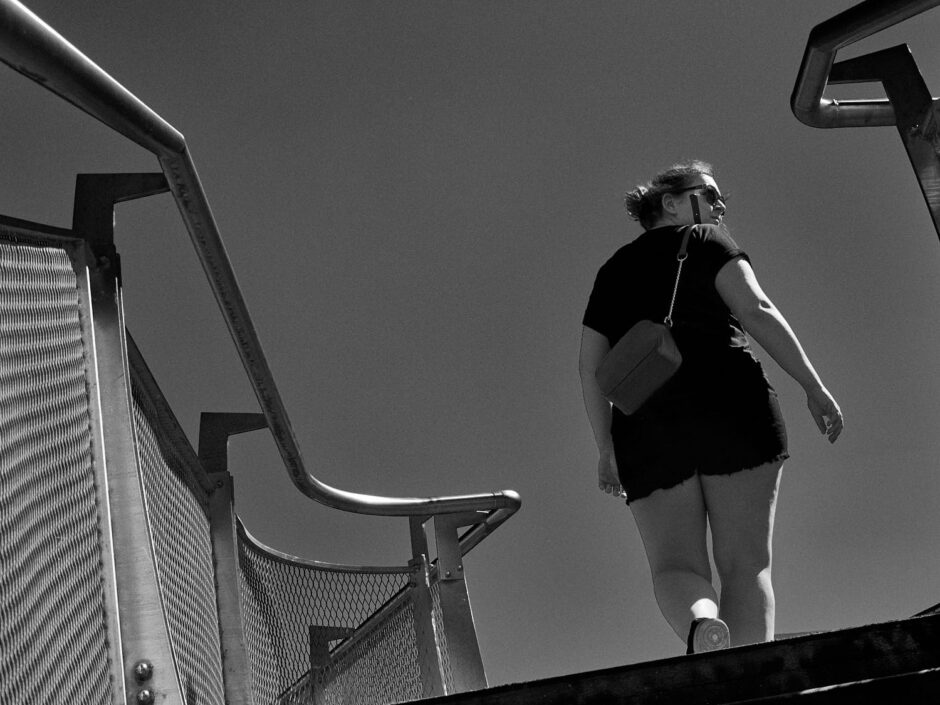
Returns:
(34,49)
(909,106)
(848,27)
(163,645)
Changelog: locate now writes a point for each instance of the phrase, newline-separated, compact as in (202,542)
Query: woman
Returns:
(708,447)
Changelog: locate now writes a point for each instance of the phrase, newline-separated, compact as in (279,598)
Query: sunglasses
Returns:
(711,194)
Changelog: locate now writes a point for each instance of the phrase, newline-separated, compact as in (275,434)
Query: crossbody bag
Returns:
(647,356)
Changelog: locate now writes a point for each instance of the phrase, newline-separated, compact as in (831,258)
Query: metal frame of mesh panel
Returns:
(170,597)
(58,616)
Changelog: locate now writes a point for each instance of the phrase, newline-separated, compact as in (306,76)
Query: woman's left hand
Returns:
(608,479)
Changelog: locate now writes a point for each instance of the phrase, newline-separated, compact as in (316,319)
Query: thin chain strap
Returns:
(675,290)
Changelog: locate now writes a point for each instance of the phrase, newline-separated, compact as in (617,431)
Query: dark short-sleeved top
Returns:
(637,282)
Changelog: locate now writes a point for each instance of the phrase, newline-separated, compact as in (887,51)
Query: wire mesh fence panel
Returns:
(176,503)
(282,599)
(53,624)
(382,667)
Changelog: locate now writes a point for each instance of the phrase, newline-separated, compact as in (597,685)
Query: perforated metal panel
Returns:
(176,503)
(282,599)
(53,626)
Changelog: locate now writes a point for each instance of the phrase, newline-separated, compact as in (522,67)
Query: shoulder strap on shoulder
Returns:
(684,247)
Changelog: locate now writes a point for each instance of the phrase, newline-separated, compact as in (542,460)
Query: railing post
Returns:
(460,635)
(149,669)
(84,265)
(236,672)
(417,526)
(214,432)
(429,654)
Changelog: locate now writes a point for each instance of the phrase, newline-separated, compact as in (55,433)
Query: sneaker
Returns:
(708,634)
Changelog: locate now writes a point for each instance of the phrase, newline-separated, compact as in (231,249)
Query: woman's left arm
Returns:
(737,285)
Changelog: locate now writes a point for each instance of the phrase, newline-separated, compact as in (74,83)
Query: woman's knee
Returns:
(678,569)
(741,510)
(740,564)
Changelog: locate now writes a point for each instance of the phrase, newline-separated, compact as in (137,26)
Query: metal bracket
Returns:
(93,208)
(419,539)
(449,555)
(320,638)
(214,432)
(916,113)
(909,105)
(96,194)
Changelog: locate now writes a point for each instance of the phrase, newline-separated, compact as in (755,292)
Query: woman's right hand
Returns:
(608,478)
(825,411)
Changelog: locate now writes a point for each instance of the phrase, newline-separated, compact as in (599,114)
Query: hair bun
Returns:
(634,201)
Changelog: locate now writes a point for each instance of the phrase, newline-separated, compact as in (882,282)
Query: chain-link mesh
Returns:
(177,512)
(53,625)
(381,667)
(282,599)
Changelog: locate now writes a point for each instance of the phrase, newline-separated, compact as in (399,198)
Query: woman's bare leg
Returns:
(741,511)
(672,525)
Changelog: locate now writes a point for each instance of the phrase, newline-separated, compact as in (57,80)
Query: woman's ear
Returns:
(669,204)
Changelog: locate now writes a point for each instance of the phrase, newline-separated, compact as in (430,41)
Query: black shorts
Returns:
(729,422)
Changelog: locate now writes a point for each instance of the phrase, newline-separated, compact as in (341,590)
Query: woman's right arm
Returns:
(594,347)
(737,285)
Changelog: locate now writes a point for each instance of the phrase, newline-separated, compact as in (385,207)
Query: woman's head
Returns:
(664,199)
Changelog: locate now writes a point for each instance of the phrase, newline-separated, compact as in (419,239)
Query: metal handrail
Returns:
(824,41)
(34,49)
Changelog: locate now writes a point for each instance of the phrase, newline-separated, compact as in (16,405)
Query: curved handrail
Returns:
(34,49)
(308,564)
(824,41)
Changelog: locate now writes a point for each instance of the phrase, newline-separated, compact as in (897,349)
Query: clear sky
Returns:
(416,196)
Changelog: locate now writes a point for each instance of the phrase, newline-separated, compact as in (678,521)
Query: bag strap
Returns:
(683,253)
(681,258)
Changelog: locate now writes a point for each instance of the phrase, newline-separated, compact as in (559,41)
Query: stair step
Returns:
(917,687)
(903,654)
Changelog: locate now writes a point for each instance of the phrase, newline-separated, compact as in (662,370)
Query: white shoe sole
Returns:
(710,635)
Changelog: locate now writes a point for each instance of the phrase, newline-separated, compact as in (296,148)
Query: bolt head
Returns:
(145,696)
(143,671)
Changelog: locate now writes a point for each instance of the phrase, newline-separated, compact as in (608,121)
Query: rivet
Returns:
(145,696)
(143,671)
(447,573)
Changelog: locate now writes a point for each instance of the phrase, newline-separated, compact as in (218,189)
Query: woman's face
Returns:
(677,206)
